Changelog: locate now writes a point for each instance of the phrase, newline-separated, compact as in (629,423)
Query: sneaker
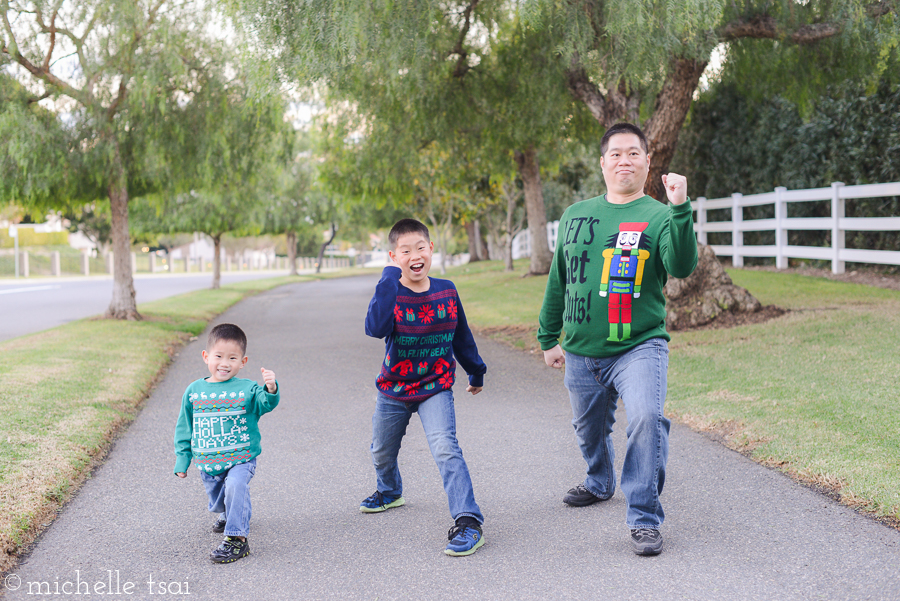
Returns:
(231,549)
(378,502)
(219,526)
(580,497)
(646,541)
(464,540)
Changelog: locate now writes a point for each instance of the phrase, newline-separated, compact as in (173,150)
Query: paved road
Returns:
(34,305)
(735,530)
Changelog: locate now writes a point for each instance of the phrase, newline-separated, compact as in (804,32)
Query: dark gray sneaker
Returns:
(580,496)
(646,541)
(219,525)
(231,549)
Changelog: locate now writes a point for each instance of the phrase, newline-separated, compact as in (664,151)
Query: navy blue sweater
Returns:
(424,334)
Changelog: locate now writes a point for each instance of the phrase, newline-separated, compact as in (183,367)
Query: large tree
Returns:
(642,61)
(239,143)
(110,65)
(420,73)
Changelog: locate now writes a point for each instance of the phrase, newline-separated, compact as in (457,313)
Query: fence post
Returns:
(109,262)
(737,234)
(85,263)
(25,270)
(701,220)
(54,263)
(133,263)
(152,258)
(781,260)
(838,236)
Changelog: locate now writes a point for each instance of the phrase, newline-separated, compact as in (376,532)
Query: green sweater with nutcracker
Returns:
(218,424)
(605,288)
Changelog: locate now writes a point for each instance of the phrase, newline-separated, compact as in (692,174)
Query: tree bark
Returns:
(123,304)
(512,229)
(217,261)
(472,235)
(530,172)
(292,251)
(325,244)
(669,113)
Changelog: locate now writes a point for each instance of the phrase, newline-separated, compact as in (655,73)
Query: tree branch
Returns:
(462,65)
(766,27)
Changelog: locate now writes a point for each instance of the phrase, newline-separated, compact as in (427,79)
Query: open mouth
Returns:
(417,267)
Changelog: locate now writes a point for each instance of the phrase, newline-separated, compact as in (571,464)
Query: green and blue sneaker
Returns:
(378,502)
(464,539)
(231,549)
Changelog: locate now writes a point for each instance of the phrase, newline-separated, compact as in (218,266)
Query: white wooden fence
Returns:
(781,224)
(837,224)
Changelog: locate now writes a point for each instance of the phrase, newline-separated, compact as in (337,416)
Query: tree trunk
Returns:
(530,172)
(123,304)
(512,200)
(705,295)
(473,235)
(292,251)
(662,129)
(324,246)
(217,261)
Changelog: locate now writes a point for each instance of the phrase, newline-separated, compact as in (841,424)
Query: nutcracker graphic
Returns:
(623,270)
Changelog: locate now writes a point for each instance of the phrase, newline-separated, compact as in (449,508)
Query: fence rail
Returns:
(41,263)
(838,224)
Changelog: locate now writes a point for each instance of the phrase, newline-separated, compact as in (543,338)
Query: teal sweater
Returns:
(218,424)
(605,287)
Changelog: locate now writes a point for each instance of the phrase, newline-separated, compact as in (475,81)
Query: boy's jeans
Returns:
(439,422)
(639,378)
(230,492)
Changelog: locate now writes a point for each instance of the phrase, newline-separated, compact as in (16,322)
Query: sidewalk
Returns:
(734,530)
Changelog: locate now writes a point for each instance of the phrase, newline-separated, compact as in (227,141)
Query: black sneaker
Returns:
(231,549)
(646,541)
(219,526)
(580,496)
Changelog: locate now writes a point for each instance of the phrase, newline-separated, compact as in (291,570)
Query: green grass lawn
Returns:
(813,392)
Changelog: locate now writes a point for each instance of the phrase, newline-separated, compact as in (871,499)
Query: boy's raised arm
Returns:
(380,317)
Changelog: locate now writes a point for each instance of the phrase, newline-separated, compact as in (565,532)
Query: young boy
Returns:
(217,428)
(424,327)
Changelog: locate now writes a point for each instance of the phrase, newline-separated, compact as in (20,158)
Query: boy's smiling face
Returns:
(413,255)
(224,359)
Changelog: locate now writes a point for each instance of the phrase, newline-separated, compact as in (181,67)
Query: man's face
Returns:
(625,165)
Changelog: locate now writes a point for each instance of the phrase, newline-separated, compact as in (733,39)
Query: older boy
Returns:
(606,290)
(217,428)
(424,327)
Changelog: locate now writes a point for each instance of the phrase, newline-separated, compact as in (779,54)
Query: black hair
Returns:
(407,226)
(623,128)
(229,332)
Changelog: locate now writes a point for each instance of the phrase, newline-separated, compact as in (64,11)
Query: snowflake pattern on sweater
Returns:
(425,334)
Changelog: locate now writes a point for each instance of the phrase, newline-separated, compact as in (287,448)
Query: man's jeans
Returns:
(439,422)
(639,378)
(230,493)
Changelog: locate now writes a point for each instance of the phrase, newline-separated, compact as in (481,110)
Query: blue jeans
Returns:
(639,378)
(229,492)
(439,422)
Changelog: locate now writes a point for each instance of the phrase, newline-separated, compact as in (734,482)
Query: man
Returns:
(605,289)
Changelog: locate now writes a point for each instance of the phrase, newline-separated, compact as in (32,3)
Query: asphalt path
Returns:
(734,530)
(33,305)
